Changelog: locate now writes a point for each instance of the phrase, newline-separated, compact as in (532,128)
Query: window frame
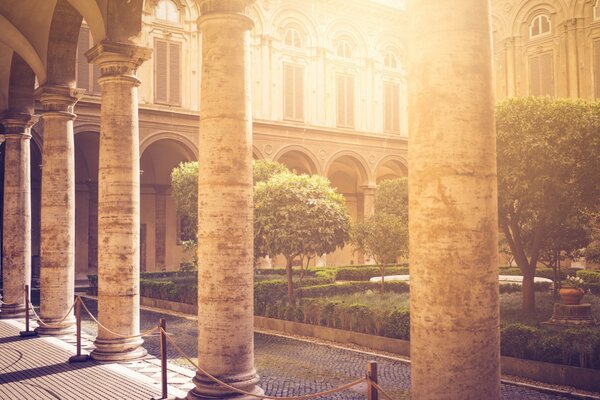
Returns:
(169,101)
(349,121)
(294,68)
(396,126)
(175,21)
(538,19)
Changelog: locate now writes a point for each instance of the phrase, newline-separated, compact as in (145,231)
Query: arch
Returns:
(87,127)
(345,28)
(287,17)
(300,157)
(189,147)
(528,10)
(21,84)
(14,39)
(90,11)
(257,154)
(62,45)
(360,163)
(391,166)
(255,12)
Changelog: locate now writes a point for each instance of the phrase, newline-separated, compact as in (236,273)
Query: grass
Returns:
(375,300)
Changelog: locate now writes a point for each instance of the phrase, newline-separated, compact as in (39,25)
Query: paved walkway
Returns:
(36,368)
(290,367)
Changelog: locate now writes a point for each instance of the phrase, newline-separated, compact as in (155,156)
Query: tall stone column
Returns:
(93,228)
(57,271)
(118,201)
(16,246)
(455,352)
(225,250)
(160,231)
(368,200)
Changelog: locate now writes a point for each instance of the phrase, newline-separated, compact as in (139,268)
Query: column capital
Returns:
(58,98)
(369,189)
(224,6)
(118,59)
(18,124)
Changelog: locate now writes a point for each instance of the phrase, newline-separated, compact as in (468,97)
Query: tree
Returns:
(384,236)
(548,176)
(298,216)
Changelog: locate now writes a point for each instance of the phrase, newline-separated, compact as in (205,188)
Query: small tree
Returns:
(383,237)
(298,216)
(392,198)
(548,176)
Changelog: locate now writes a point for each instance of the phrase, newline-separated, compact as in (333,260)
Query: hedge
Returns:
(368,272)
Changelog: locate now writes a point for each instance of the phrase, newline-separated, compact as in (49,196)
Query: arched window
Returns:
(166,10)
(540,25)
(390,60)
(597,11)
(344,49)
(293,38)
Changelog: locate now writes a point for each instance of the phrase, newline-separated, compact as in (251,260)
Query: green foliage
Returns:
(345,288)
(184,186)
(367,272)
(392,198)
(263,170)
(589,276)
(185,291)
(548,177)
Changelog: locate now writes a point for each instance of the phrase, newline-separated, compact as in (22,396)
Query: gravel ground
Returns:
(291,366)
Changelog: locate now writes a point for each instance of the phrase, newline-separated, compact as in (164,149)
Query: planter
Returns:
(570,295)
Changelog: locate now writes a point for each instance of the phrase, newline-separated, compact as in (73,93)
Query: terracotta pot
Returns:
(570,295)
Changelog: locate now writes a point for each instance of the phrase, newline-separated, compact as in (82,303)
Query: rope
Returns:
(51,324)
(145,333)
(234,389)
(379,388)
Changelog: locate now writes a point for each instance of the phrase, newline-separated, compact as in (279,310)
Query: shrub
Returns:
(517,339)
(367,272)
(344,288)
(589,276)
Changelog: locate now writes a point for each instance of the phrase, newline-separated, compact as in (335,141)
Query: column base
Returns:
(118,349)
(206,389)
(66,327)
(12,311)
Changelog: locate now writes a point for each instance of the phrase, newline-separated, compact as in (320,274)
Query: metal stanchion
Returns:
(163,358)
(27,332)
(372,392)
(78,357)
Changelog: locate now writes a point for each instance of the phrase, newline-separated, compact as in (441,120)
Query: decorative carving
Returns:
(507,7)
(229,6)
(17,125)
(372,158)
(118,59)
(58,98)
(322,154)
(268,149)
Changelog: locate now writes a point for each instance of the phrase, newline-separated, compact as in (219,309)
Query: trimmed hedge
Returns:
(591,279)
(539,272)
(368,272)
(344,288)
(181,292)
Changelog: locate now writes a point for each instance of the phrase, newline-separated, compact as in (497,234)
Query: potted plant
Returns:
(572,290)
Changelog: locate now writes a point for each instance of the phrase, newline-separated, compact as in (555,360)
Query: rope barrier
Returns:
(234,389)
(387,396)
(52,324)
(145,333)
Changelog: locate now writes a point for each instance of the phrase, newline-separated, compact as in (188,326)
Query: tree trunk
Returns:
(290,282)
(382,279)
(528,292)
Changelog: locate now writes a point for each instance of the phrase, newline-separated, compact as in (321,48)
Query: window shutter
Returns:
(350,101)
(83,67)
(340,100)
(597,67)
(534,76)
(299,92)
(174,73)
(160,71)
(288,91)
(547,75)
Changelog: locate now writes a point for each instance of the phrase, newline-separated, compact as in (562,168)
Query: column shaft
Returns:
(118,202)
(16,247)
(225,250)
(455,351)
(160,232)
(57,270)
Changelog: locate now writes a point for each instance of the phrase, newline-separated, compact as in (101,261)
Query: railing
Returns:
(370,378)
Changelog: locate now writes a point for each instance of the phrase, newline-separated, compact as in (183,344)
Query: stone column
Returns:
(225,273)
(455,352)
(93,228)
(16,246)
(118,201)
(368,200)
(160,230)
(57,270)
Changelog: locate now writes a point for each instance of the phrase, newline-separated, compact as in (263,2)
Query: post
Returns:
(78,357)
(163,356)
(27,332)
(372,392)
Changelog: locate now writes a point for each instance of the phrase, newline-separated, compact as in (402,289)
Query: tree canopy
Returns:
(548,177)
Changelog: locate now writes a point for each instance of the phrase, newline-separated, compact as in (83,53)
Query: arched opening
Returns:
(390,169)
(349,177)
(298,162)
(160,226)
(86,205)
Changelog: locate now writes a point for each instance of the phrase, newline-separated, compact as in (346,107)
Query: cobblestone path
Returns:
(290,367)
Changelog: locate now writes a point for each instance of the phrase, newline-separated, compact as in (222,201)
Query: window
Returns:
(539,26)
(293,38)
(597,67)
(167,72)
(293,92)
(597,11)
(166,10)
(87,74)
(390,60)
(391,107)
(541,75)
(344,49)
(345,101)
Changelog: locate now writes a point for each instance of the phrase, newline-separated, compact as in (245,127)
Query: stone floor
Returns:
(290,367)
